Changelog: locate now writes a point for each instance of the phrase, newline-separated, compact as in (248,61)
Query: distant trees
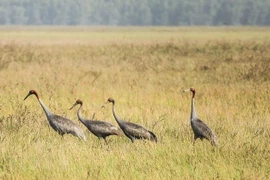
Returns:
(135,12)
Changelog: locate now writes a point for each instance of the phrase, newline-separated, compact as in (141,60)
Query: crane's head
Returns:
(30,93)
(76,103)
(110,100)
(191,90)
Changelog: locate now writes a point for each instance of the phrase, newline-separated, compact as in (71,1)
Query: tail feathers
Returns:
(118,131)
(83,137)
(80,134)
(214,140)
(153,137)
(211,137)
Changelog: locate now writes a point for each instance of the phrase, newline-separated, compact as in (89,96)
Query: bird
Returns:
(200,129)
(101,129)
(60,124)
(131,130)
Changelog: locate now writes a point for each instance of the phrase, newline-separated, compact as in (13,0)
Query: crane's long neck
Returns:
(80,115)
(193,111)
(46,110)
(117,118)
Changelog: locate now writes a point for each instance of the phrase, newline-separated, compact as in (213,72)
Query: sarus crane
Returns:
(200,129)
(101,129)
(131,130)
(60,124)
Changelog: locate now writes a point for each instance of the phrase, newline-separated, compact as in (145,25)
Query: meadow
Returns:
(145,71)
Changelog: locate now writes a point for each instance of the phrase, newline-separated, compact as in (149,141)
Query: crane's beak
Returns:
(27,96)
(187,90)
(103,106)
(73,106)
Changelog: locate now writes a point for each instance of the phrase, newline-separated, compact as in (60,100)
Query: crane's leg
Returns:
(105,141)
(108,147)
(99,138)
(195,137)
(62,135)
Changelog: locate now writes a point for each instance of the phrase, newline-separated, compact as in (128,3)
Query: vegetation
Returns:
(135,12)
(145,71)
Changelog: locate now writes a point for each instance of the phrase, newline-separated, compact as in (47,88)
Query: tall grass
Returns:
(144,70)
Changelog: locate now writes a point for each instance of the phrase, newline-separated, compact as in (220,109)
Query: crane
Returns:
(200,129)
(131,130)
(60,124)
(101,129)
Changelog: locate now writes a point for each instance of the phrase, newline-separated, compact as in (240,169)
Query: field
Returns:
(145,71)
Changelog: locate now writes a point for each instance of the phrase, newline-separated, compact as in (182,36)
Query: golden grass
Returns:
(144,70)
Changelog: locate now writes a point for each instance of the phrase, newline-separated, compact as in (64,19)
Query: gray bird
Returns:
(58,123)
(131,130)
(200,129)
(101,129)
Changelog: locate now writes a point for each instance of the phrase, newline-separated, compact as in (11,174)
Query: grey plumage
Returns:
(101,129)
(200,129)
(131,130)
(60,124)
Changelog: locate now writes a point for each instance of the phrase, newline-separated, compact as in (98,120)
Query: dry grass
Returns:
(144,70)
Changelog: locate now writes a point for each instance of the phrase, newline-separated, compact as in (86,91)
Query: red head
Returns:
(30,93)
(76,103)
(111,100)
(191,90)
(79,102)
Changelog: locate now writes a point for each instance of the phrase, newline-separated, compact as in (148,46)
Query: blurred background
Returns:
(135,12)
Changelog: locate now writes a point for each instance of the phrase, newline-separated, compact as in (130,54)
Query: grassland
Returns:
(144,70)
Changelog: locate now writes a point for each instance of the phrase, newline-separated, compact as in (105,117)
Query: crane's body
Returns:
(101,129)
(200,129)
(131,130)
(60,124)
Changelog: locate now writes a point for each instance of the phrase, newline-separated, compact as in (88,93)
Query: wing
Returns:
(102,128)
(64,126)
(201,129)
(136,131)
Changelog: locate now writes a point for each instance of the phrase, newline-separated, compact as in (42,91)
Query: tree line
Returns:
(135,12)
